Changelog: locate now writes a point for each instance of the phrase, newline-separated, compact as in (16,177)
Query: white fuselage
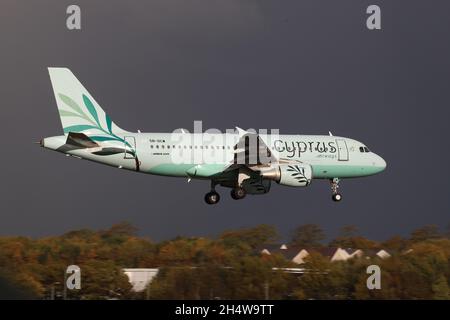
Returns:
(176,154)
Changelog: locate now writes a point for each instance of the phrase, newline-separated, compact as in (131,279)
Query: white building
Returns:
(140,277)
(298,254)
(383,254)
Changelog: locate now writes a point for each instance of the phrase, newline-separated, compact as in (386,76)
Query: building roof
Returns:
(325,251)
(271,247)
(290,252)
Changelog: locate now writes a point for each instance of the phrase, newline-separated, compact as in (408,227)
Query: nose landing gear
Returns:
(336,196)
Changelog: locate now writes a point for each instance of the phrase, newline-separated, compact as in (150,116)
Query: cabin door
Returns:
(130,148)
(342,150)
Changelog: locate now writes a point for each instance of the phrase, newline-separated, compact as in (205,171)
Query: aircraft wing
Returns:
(252,150)
(251,156)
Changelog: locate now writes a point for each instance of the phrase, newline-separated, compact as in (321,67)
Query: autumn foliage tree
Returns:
(229,266)
(307,235)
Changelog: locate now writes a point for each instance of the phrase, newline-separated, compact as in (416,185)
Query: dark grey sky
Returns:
(305,67)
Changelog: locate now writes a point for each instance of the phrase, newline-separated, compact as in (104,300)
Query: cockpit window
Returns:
(364,149)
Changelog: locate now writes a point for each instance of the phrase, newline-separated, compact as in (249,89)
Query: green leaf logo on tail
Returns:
(91,116)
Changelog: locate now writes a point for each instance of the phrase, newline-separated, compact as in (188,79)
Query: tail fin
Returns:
(78,110)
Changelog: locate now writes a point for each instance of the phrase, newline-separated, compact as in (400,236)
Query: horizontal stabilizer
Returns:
(76,141)
(80,140)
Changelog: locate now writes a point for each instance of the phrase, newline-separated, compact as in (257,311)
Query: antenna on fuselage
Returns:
(329,132)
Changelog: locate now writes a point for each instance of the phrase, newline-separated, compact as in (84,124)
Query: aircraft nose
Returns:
(380,163)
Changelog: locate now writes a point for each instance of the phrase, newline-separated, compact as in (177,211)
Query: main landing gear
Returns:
(336,196)
(238,193)
(213,197)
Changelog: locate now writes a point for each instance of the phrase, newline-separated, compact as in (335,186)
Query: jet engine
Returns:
(293,175)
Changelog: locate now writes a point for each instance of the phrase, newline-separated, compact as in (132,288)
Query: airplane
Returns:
(245,161)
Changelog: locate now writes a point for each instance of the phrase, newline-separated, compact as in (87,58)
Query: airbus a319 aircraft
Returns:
(244,161)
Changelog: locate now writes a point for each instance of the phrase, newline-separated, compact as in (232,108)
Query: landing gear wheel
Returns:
(238,193)
(336,196)
(212,197)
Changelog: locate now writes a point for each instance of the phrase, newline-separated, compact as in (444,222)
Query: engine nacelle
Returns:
(293,175)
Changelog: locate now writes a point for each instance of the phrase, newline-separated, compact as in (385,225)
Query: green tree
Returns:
(308,235)
(390,280)
(251,237)
(119,233)
(12,286)
(322,279)
(425,233)
(227,267)
(395,243)
(102,280)
(178,283)
(349,238)
(441,289)
(136,253)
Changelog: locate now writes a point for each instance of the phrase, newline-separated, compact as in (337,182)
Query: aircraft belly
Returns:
(170,169)
(206,170)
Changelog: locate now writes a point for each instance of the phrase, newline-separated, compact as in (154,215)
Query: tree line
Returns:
(228,266)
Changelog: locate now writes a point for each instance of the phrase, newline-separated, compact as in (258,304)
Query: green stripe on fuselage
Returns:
(188,170)
(343,171)
(319,171)
(169,169)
